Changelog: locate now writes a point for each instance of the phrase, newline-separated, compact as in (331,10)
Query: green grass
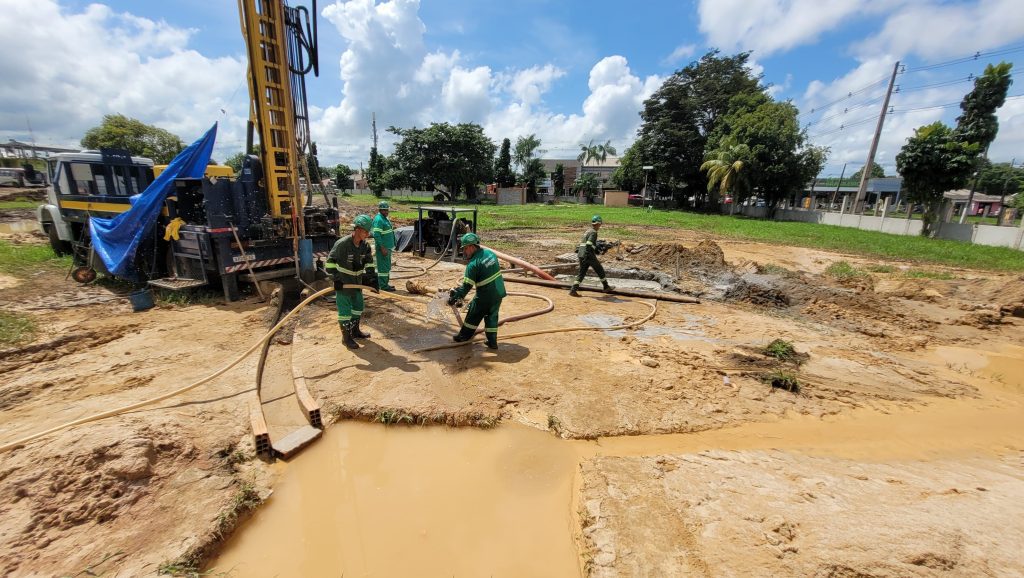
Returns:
(842,271)
(24,260)
(19,204)
(16,328)
(923,274)
(780,349)
(880,268)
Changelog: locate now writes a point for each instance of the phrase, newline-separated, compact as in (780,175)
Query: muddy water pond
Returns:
(370,500)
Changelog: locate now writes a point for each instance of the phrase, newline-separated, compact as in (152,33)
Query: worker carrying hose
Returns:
(587,254)
(384,244)
(350,263)
(483,273)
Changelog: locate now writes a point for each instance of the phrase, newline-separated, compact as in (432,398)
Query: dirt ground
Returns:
(159,487)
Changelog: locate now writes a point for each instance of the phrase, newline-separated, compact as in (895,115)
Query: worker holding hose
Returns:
(484,274)
(587,254)
(384,244)
(350,263)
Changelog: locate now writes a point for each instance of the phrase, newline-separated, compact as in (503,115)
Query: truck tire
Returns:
(230,284)
(60,248)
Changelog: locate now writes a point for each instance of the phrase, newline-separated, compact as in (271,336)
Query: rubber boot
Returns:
(573,292)
(346,337)
(492,341)
(357,332)
(607,287)
(463,335)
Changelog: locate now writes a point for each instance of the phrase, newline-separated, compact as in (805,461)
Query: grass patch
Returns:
(24,260)
(842,271)
(773,269)
(924,274)
(781,349)
(782,379)
(812,235)
(19,204)
(388,417)
(16,328)
(880,268)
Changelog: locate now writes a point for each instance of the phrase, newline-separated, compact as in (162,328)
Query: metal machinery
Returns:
(441,228)
(257,224)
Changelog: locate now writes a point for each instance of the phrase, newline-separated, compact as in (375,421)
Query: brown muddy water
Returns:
(370,500)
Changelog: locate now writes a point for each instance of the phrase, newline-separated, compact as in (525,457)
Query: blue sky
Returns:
(568,71)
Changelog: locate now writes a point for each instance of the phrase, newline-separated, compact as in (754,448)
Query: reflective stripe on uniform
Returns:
(357,313)
(382,231)
(468,326)
(344,318)
(491,330)
(331,265)
(489,279)
(340,268)
(468,280)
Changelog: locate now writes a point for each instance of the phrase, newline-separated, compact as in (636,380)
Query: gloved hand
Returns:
(453,299)
(338,284)
(369,278)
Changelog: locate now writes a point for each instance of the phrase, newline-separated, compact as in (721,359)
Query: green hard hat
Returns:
(469,239)
(362,222)
(596,219)
(383,205)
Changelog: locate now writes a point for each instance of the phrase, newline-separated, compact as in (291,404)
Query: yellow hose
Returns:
(653,305)
(9,446)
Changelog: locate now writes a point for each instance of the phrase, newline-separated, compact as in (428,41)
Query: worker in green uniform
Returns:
(350,263)
(587,254)
(484,274)
(384,243)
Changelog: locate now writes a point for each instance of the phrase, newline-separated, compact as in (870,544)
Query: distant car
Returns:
(728,200)
(636,197)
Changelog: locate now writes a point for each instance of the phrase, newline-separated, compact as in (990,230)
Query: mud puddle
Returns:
(11,227)
(370,500)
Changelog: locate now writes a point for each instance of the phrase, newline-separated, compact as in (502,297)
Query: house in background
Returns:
(573,169)
(982,204)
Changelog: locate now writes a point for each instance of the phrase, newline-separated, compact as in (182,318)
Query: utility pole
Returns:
(839,184)
(374,130)
(1002,199)
(866,173)
(974,186)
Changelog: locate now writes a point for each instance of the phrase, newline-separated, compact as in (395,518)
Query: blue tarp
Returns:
(115,240)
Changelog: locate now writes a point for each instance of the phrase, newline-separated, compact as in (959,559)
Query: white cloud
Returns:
(768,26)
(682,52)
(938,30)
(95,62)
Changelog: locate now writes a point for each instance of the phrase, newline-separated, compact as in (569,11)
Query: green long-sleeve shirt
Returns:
(484,274)
(383,232)
(588,247)
(347,261)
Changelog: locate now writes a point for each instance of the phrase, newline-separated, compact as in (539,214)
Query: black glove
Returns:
(338,284)
(453,298)
(369,278)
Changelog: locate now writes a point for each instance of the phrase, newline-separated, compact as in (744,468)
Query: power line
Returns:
(975,56)
(846,110)
(845,126)
(849,95)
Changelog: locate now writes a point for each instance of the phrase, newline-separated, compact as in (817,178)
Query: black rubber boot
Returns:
(573,292)
(492,341)
(607,287)
(357,332)
(346,337)
(462,335)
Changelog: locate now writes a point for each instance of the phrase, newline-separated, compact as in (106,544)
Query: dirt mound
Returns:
(706,257)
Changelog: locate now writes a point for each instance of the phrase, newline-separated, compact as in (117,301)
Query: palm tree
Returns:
(726,167)
(591,152)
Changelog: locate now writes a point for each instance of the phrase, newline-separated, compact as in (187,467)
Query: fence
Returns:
(991,235)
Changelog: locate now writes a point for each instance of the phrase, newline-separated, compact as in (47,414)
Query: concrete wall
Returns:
(1012,237)
(616,198)
(511,196)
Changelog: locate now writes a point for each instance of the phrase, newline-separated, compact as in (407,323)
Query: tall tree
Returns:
(728,170)
(629,175)
(877,172)
(1002,180)
(680,116)
(137,137)
(503,166)
(558,179)
(531,169)
(932,162)
(977,122)
(587,186)
(375,173)
(457,156)
(343,177)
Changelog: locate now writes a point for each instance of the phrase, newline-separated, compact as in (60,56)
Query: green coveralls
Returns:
(347,262)
(483,273)
(383,236)
(587,253)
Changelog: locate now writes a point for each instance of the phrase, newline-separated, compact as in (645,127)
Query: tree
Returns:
(877,172)
(681,115)
(375,173)
(459,157)
(587,186)
(343,177)
(503,166)
(727,169)
(558,179)
(138,138)
(235,162)
(531,169)
(978,123)
(1000,179)
(932,162)
(629,175)
(780,159)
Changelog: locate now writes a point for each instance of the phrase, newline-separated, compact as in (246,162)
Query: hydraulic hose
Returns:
(423,270)
(653,305)
(117,411)
(516,261)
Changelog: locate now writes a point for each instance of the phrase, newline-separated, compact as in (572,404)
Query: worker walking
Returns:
(587,254)
(384,244)
(483,273)
(350,263)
